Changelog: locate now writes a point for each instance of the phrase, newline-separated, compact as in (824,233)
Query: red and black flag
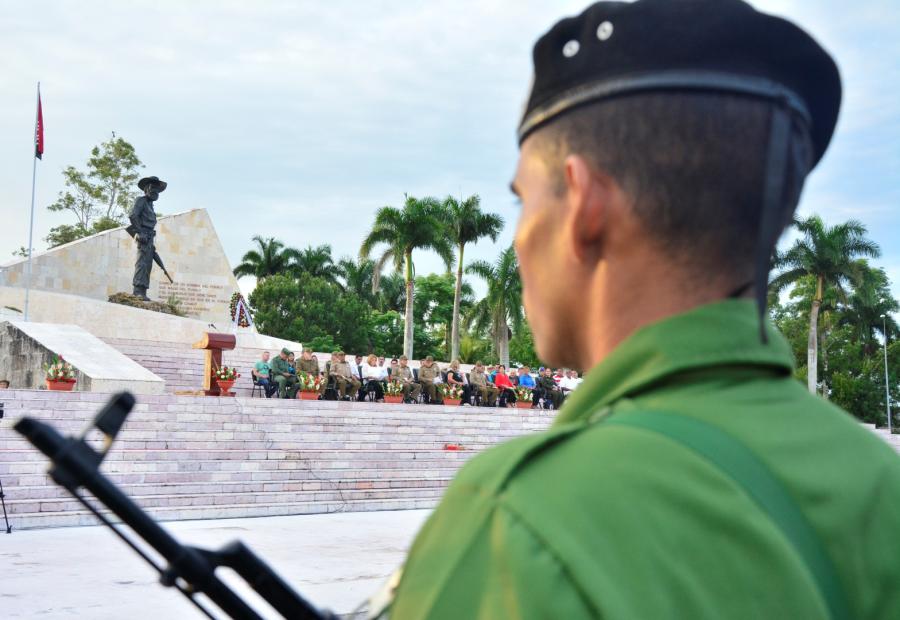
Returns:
(39,131)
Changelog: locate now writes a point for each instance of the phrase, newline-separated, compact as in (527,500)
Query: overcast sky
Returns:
(299,119)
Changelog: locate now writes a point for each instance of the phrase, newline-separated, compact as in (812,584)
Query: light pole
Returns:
(887,391)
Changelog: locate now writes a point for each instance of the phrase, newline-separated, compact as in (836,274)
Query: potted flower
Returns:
(225,378)
(523,397)
(60,375)
(393,392)
(310,386)
(452,394)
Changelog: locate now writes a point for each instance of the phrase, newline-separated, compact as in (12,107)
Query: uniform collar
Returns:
(720,334)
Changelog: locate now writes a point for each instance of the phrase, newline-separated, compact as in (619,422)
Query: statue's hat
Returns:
(143,183)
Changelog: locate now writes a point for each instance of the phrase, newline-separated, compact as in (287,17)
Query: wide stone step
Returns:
(177,500)
(183,513)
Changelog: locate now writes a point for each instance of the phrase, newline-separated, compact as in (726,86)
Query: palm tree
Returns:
(828,253)
(357,278)
(502,305)
(466,224)
(870,300)
(317,262)
(271,258)
(416,226)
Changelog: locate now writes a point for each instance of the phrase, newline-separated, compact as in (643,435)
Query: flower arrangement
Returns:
(238,311)
(224,373)
(393,388)
(523,394)
(451,392)
(309,382)
(59,370)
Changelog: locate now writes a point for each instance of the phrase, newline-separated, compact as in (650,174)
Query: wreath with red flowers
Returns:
(243,319)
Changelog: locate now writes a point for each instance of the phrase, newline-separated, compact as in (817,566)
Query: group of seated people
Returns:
(365,378)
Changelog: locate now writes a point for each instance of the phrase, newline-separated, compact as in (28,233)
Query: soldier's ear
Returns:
(590,194)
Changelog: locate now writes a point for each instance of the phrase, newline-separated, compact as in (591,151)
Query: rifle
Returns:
(131,230)
(190,570)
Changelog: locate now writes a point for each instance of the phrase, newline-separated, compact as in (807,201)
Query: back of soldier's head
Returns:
(691,164)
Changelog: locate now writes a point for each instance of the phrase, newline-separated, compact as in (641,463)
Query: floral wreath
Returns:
(239,312)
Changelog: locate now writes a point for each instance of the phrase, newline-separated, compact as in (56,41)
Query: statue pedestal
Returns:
(214,343)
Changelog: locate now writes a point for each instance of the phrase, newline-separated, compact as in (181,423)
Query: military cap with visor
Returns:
(160,185)
(618,49)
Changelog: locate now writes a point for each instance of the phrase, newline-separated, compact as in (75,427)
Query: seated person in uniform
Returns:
(507,390)
(455,377)
(345,380)
(429,374)
(310,366)
(478,380)
(548,388)
(404,375)
(282,374)
(392,369)
(261,372)
(373,375)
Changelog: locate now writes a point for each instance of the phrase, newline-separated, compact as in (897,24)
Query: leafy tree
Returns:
(324,344)
(871,299)
(502,305)
(466,224)
(415,226)
(473,348)
(270,259)
(392,293)
(310,308)
(386,331)
(104,192)
(521,347)
(829,255)
(316,262)
(357,276)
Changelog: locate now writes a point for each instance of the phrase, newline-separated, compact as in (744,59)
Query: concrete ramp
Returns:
(26,347)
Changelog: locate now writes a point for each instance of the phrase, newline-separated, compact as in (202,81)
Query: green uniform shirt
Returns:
(428,373)
(279,366)
(594,520)
(308,366)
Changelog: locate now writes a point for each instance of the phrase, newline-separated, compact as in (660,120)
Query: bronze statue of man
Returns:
(143,223)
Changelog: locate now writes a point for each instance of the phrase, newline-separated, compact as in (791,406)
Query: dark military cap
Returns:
(616,49)
(161,185)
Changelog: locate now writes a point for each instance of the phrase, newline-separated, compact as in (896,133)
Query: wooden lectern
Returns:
(214,344)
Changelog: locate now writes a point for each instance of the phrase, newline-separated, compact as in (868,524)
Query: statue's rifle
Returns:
(131,230)
(190,570)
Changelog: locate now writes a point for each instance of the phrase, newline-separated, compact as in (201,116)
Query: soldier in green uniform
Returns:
(286,380)
(662,151)
(478,380)
(310,366)
(345,381)
(404,375)
(428,372)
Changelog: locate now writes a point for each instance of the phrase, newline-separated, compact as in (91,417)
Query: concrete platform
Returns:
(336,561)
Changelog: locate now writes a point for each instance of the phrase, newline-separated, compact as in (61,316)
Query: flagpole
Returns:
(33,179)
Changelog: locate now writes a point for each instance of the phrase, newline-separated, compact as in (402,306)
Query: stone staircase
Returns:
(185,457)
(182,366)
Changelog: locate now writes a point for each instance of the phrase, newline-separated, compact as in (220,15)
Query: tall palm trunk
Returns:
(501,336)
(410,292)
(812,352)
(454,335)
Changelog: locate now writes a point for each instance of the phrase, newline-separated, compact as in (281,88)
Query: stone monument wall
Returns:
(103,264)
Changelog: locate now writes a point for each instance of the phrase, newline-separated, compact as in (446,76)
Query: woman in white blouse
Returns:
(373,375)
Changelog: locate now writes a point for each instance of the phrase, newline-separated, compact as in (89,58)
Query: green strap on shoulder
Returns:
(735,459)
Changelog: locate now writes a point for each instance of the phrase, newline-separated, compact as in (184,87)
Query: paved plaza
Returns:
(334,560)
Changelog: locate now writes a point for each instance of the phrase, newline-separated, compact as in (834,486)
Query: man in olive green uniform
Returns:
(478,380)
(428,372)
(662,151)
(404,375)
(310,366)
(286,380)
(345,381)
(549,389)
